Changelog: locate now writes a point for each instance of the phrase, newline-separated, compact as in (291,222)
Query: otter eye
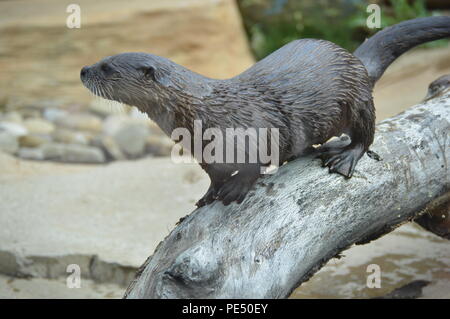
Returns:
(106,69)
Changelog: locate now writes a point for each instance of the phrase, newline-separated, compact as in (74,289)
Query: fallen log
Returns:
(302,216)
(436,216)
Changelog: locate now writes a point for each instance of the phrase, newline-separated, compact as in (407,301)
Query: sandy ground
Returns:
(40,288)
(125,202)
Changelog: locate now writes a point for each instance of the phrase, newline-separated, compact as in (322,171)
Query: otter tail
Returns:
(379,51)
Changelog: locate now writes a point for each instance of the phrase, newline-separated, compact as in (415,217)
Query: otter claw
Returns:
(208,198)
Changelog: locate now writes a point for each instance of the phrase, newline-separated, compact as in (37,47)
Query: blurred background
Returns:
(87,182)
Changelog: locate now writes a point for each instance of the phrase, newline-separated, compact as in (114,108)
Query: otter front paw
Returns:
(235,189)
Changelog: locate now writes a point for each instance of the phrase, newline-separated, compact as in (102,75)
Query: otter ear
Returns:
(156,75)
(149,72)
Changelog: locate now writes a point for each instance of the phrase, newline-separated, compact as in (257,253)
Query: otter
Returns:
(309,90)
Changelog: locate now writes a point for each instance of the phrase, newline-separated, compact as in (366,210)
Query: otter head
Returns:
(137,79)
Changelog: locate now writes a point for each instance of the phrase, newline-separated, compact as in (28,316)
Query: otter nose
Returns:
(84,71)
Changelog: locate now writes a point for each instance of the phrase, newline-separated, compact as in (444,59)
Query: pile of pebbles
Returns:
(94,134)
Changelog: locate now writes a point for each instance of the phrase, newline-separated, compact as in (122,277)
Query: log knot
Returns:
(194,268)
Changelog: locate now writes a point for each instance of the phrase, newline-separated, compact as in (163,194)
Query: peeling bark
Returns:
(302,216)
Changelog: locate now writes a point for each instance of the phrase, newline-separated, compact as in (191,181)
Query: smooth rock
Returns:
(30,153)
(43,104)
(8,142)
(112,148)
(71,137)
(13,128)
(53,114)
(34,140)
(73,153)
(80,121)
(116,122)
(130,134)
(39,126)
(159,145)
(30,113)
(132,139)
(13,116)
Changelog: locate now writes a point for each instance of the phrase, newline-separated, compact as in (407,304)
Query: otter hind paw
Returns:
(342,160)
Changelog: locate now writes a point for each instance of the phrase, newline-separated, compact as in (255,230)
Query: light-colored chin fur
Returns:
(114,106)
